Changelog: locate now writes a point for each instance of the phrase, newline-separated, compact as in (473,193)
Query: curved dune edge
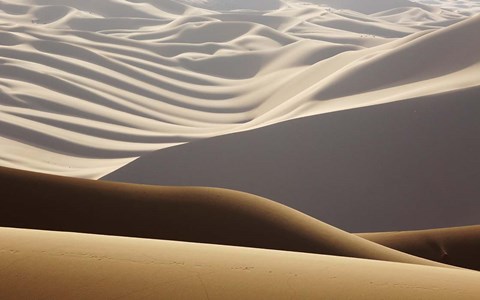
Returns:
(85,266)
(457,246)
(206,215)
(86,88)
(394,166)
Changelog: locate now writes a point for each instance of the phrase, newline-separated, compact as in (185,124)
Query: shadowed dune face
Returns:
(194,113)
(457,246)
(89,86)
(399,166)
(206,215)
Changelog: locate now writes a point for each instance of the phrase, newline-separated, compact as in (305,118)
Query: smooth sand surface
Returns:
(457,246)
(400,166)
(204,215)
(52,265)
(356,115)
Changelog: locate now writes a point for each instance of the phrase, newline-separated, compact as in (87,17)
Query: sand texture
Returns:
(321,260)
(87,87)
(78,266)
(456,246)
(206,215)
(239,149)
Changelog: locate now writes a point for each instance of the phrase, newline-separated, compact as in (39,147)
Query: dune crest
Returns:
(89,86)
(456,246)
(205,215)
(244,149)
(387,167)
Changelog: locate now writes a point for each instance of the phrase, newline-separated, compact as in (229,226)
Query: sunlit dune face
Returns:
(228,149)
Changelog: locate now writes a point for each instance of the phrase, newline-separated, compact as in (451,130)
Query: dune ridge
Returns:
(274,149)
(456,246)
(89,87)
(204,215)
(405,165)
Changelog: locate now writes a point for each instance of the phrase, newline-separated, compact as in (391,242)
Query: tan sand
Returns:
(53,265)
(369,108)
(457,246)
(206,215)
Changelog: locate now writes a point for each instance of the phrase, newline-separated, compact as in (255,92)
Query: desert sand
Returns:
(86,88)
(206,215)
(408,165)
(457,246)
(102,267)
(322,261)
(46,265)
(227,149)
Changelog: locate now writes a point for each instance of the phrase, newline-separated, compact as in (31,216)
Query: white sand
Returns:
(86,87)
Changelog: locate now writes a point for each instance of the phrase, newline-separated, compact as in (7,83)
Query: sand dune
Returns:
(468,7)
(89,266)
(398,166)
(456,246)
(89,87)
(174,213)
(449,59)
(361,114)
(367,6)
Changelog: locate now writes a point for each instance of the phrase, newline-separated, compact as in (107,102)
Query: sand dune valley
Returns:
(239,149)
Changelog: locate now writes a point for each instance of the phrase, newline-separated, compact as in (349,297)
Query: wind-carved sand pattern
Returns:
(362,114)
(88,87)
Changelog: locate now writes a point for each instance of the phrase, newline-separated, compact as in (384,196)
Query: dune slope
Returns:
(89,266)
(404,165)
(457,246)
(86,87)
(206,215)
(357,118)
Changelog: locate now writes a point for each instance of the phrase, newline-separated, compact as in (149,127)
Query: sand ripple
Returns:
(106,83)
